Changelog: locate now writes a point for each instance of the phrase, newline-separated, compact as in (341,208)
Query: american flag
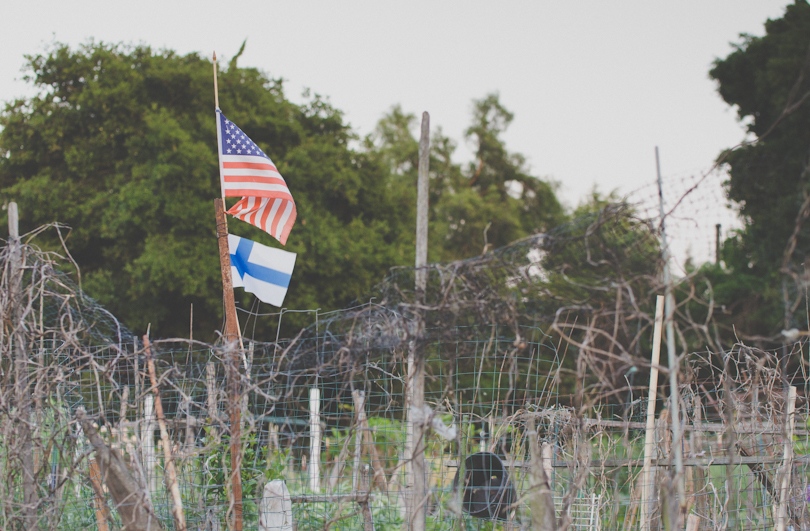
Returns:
(245,171)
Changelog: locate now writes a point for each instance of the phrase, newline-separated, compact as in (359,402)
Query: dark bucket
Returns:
(488,493)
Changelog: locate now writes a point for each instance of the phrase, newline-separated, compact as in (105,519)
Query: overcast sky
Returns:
(594,85)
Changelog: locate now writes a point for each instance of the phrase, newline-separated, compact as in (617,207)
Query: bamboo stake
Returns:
(781,515)
(177,501)
(646,485)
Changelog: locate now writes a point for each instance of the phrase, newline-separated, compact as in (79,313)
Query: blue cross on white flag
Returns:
(261,270)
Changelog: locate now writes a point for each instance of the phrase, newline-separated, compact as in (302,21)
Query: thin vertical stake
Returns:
(787,462)
(30,493)
(216,87)
(646,486)
(416,363)
(672,357)
(717,243)
(314,439)
(359,398)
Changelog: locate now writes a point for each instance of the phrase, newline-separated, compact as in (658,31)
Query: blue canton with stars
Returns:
(235,142)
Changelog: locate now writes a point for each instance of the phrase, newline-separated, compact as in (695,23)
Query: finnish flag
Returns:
(261,270)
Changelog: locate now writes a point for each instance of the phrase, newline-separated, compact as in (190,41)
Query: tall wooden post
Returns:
(672,356)
(30,497)
(231,363)
(416,360)
(647,487)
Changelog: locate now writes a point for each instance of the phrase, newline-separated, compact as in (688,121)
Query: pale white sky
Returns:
(594,85)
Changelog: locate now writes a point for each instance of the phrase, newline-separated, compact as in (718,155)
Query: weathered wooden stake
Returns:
(416,362)
(30,497)
(234,406)
(630,514)
(231,326)
(122,417)
(148,444)
(231,363)
(171,472)
(696,444)
(781,514)
(672,356)
(646,483)
(547,453)
(211,391)
(314,439)
(540,496)
(103,515)
(359,397)
(364,494)
(133,506)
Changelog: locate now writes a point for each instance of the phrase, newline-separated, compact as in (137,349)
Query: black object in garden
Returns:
(488,492)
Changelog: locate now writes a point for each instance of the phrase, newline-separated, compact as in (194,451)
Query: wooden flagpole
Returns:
(231,336)
(216,86)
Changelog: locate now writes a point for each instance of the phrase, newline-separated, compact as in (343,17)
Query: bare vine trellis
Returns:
(536,353)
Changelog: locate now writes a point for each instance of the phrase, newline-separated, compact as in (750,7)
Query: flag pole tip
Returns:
(215,55)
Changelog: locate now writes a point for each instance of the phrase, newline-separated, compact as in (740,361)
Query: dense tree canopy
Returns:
(489,203)
(119,144)
(768,79)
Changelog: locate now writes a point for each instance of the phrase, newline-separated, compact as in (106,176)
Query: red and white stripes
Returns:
(273,215)
(247,172)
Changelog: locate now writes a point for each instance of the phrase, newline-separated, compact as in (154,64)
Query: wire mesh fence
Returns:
(535,360)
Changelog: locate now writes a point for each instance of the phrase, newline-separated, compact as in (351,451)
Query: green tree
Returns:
(119,144)
(768,80)
(488,203)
